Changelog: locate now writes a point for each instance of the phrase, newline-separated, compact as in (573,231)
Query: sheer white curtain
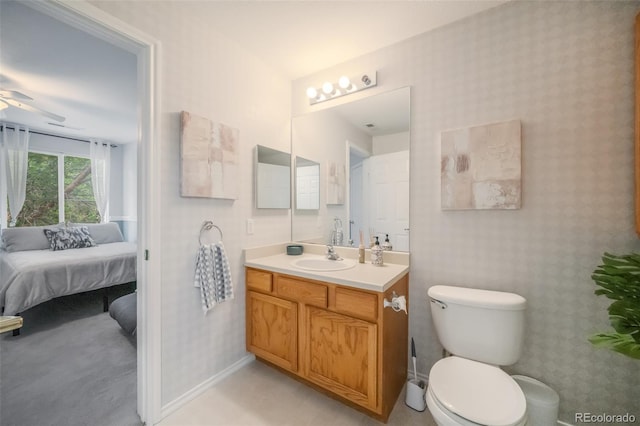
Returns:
(15,150)
(100,154)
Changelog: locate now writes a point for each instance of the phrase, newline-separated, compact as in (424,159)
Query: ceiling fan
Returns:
(17,99)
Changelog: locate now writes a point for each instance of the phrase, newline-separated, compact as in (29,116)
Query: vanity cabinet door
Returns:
(341,355)
(272,329)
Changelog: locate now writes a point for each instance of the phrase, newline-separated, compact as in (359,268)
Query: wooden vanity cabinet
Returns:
(339,339)
(272,329)
(341,354)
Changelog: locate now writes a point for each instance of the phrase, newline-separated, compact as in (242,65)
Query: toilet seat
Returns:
(442,416)
(477,392)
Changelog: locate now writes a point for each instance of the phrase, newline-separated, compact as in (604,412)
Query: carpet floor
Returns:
(72,365)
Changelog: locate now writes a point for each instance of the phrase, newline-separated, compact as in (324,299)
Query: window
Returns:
(58,190)
(79,204)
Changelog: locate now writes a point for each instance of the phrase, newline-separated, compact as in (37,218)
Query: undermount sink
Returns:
(321,264)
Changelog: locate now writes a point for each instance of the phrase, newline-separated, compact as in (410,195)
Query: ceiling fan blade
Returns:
(30,108)
(14,94)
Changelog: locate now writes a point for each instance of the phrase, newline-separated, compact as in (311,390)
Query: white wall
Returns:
(565,69)
(386,144)
(206,74)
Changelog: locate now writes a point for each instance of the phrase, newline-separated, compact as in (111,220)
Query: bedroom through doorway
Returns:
(73,329)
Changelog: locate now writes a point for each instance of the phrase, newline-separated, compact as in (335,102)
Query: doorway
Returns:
(92,20)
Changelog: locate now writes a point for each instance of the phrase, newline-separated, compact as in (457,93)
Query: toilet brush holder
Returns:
(416,394)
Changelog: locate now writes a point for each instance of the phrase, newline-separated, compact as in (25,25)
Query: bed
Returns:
(34,270)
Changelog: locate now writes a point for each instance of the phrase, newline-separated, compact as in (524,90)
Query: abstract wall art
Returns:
(480,167)
(209,158)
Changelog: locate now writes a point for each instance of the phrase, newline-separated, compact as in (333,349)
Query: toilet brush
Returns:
(416,389)
(413,357)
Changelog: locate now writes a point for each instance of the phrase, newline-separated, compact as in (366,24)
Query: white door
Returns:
(389,198)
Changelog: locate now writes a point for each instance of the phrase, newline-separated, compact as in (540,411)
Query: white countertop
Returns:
(363,275)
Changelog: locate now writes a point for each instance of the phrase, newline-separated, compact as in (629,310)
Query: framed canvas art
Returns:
(209,158)
(480,167)
(336,183)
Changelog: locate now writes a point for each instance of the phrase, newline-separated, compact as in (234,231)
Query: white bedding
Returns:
(30,277)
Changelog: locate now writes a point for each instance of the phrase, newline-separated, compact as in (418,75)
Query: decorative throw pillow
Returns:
(69,238)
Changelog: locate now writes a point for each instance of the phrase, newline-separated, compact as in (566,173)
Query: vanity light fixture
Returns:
(345,86)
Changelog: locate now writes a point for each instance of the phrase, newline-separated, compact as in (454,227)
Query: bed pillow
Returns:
(69,238)
(25,238)
(103,233)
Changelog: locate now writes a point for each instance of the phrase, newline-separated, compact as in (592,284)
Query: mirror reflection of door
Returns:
(389,201)
(385,209)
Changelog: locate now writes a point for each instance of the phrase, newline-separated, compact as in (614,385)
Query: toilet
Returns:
(482,330)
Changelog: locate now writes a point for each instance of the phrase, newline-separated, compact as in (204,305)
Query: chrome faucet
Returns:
(331,253)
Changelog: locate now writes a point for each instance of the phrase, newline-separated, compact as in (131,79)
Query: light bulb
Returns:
(344,82)
(312,93)
(327,88)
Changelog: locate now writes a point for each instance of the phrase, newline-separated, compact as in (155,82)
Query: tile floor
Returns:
(258,395)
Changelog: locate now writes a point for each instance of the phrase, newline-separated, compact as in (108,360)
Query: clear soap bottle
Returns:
(376,254)
(387,244)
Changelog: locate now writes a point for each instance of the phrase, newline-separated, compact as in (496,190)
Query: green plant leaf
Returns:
(618,278)
(621,343)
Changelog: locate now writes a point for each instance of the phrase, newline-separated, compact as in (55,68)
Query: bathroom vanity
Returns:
(330,329)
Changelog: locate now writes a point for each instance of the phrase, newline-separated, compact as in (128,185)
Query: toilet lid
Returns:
(478,392)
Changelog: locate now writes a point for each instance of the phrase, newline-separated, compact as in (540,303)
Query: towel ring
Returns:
(206,226)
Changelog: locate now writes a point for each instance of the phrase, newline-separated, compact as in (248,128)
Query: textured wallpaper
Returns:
(565,69)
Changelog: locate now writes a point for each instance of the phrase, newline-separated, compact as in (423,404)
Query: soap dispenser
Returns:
(376,254)
(387,244)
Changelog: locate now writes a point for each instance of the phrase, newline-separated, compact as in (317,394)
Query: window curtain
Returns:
(100,154)
(15,150)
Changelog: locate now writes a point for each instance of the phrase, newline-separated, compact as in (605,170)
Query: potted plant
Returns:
(619,279)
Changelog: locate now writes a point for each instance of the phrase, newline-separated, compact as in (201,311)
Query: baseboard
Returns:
(183,399)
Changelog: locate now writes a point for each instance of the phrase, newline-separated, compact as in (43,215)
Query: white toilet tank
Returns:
(482,325)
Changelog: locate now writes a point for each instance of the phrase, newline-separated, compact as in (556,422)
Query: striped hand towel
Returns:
(213,275)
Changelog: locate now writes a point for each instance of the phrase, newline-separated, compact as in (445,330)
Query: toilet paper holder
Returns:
(397,303)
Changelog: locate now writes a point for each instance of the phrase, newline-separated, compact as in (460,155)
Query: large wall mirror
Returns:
(362,149)
(273,178)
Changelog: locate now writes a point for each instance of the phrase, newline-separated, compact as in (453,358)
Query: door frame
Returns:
(350,148)
(88,18)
